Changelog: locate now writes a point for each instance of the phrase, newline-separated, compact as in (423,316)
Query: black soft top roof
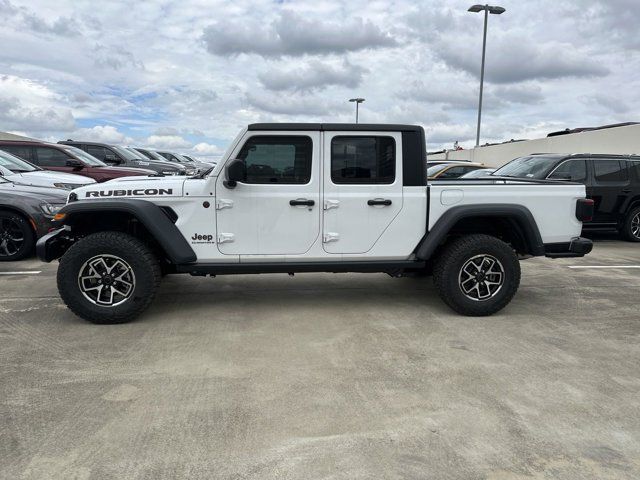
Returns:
(343,127)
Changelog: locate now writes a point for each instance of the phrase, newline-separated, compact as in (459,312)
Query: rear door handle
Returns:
(301,201)
(379,201)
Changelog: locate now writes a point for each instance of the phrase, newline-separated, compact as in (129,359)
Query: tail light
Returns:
(584,209)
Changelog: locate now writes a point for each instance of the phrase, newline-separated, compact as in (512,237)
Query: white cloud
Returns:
(102,134)
(167,141)
(207,149)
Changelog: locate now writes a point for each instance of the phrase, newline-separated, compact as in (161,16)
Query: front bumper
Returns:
(52,245)
(577,247)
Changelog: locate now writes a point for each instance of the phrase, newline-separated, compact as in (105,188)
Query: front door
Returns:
(276,209)
(52,159)
(362,189)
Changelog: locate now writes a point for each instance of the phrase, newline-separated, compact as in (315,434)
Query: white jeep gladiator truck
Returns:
(289,198)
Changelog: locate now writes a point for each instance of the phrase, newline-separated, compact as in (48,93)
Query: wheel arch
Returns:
(143,219)
(635,202)
(512,223)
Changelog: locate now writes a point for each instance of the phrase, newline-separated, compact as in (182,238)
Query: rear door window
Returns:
(361,159)
(610,171)
(454,172)
(22,151)
(574,170)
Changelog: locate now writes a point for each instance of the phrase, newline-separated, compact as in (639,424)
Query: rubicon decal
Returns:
(140,192)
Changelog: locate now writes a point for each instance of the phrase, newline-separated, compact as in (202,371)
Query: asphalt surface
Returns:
(346,376)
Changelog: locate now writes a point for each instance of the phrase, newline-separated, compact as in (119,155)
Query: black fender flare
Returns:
(150,215)
(445,223)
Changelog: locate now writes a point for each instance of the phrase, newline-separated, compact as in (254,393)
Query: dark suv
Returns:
(612,181)
(116,155)
(68,159)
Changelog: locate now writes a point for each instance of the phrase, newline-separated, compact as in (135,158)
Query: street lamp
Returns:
(487,9)
(358,101)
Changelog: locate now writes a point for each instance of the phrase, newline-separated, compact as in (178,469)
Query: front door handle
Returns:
(301,201)
(379,201)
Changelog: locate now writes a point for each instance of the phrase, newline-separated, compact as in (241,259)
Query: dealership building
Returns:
(615,139)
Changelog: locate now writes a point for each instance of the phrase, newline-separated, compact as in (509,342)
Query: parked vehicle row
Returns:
(117,155)
(22,172)
(35,178)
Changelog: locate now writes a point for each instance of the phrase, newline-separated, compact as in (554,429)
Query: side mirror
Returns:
(235,172)
(112,159)
(562,176)
(74,163)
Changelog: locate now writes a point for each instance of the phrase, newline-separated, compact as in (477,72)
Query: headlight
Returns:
(191,171)
(170,172)
(51,209)
(68,186)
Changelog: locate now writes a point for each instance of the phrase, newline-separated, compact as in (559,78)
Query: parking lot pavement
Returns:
(327,376)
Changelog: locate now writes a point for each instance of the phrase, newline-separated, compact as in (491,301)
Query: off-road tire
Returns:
(629,224)
(452,259)
(136,254)
(20,224)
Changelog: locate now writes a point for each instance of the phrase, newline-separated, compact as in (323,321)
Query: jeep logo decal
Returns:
(129,193)
(197,238)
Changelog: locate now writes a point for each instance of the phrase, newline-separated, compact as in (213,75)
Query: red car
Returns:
(65,158)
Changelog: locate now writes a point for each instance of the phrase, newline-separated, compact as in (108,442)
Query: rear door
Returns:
(24,152)
(276,209)
(610,189)
(362,188)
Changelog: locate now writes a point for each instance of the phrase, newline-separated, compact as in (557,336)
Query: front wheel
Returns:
(477,275)
(16,237)
(631,227)
(108,277)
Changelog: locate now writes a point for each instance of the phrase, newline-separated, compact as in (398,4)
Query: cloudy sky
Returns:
(188,75)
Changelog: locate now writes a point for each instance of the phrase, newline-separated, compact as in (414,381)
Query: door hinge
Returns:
(226,238)
(329,204)
(222,203)
(330,237)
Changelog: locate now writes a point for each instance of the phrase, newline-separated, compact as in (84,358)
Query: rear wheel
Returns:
(16,237)
(631,227)
(477,275)
(108,277)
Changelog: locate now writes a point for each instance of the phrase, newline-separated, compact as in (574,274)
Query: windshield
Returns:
(481,172)
(129,155)
(152,155)
(15,164)
(182,159)
(431,171)
(84,156)
(537,166)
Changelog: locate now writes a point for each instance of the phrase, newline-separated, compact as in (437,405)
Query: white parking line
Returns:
(604,266)
(35,272)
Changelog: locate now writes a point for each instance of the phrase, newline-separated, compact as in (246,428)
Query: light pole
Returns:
(487,10)
(358,101)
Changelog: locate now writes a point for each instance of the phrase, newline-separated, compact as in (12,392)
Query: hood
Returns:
(57,177)
(50,195)
(127,170)
(133,187)
(156,163)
